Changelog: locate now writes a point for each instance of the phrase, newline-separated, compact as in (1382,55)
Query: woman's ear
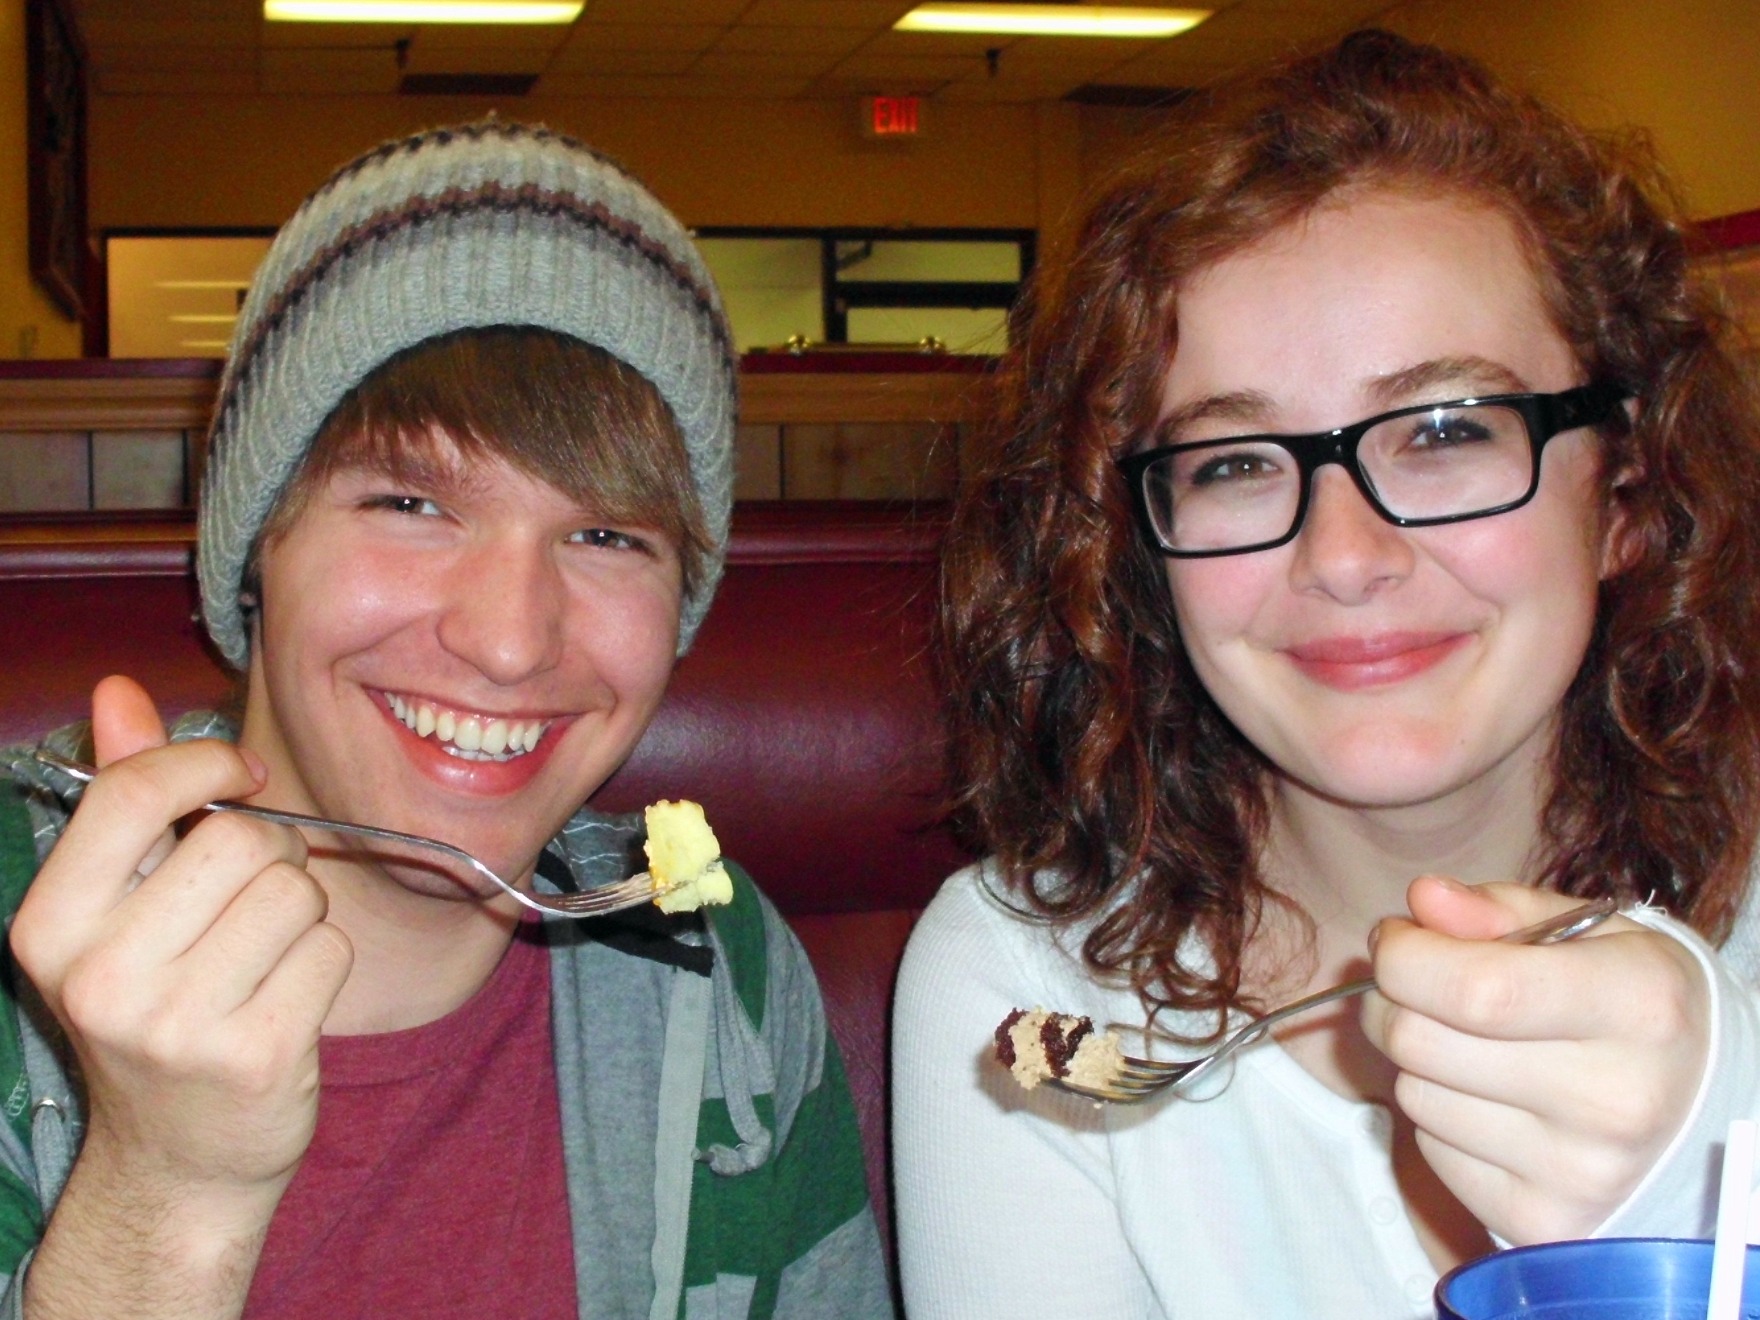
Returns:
(1619,543)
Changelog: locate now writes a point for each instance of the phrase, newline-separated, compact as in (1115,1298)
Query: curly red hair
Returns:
(1087,756)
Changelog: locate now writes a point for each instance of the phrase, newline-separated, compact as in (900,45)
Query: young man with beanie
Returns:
(467,498)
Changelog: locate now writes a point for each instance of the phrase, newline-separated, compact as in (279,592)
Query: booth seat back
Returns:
(803,719)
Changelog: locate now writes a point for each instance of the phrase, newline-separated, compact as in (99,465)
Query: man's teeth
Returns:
(472,737)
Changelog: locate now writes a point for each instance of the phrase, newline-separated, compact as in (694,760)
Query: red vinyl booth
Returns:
(803,719)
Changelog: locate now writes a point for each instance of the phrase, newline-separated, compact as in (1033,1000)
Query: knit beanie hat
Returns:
(493,224)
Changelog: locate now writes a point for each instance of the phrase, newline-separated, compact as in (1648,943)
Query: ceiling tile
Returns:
(344,72)
(591,63)
(1053,59)
(336,36)
(526,36)
(722,12)
(1238,35)
(1164,71)
(738,64)
(1297,11)
(424,58)
(884,68)
(793,40)
(888,42)
(324,84)
(874,15)
(687,88)
(335,61)
(1152,65)
(1292,22)
(692,37)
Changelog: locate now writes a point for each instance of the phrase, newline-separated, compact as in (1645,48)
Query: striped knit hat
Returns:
(486,225)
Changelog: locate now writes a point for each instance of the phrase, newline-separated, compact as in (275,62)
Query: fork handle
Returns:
(1553,930)
(1259,1026)
(86,774)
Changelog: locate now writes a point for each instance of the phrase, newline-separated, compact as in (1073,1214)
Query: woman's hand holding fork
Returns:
(1543,1082)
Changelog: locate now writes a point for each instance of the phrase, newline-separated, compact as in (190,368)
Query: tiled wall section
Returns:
(140,469)
(45,472)
(70,471)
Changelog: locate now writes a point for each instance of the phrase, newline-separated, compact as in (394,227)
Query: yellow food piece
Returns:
(683,852)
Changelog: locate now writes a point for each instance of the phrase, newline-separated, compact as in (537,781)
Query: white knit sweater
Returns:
(1272,1197)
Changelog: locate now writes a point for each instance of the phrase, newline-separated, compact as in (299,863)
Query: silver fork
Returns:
(1138,1079)
(597,902)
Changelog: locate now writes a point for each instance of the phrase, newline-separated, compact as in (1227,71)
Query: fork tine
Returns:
(602,900)
(1117,1093)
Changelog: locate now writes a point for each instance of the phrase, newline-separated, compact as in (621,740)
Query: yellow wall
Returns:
(1684,69)
(247,160)
(28,320)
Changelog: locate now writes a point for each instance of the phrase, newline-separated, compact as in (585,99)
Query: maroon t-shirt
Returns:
(434,1185)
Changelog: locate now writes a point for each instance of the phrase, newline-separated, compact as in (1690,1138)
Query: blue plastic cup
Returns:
(1599,1279)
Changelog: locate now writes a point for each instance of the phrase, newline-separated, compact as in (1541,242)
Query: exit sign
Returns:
(892,116)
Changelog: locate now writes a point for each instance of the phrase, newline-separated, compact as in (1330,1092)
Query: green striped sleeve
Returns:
(21,1219)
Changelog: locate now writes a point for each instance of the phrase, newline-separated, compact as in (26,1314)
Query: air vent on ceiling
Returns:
(467,84)
(1125,94)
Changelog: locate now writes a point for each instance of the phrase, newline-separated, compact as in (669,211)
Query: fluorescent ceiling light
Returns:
(423,11)
(192,319)
(1033,20)
(201,284)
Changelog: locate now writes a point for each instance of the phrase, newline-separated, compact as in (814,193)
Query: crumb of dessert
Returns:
(684,858)
(1037,1046)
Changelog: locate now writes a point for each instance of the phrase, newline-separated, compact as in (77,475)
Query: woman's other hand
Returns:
(1544,1081)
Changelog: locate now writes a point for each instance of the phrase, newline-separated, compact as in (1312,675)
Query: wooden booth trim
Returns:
(113,395)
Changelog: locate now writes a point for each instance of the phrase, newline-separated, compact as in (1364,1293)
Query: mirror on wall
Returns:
(872,288)
(177,295)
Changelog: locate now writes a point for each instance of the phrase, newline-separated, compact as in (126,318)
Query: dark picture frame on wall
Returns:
(55,152)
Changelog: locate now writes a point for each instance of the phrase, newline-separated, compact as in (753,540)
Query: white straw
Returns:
(1729,1254)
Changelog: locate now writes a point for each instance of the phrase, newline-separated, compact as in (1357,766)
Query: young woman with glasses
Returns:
(1361,565)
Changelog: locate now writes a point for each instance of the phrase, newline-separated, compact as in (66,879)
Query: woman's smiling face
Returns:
(464,652)
(1375,665)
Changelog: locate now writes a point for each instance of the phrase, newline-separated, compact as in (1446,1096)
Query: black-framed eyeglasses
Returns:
(1417,467)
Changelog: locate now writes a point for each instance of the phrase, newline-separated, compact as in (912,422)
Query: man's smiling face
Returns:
(464,652)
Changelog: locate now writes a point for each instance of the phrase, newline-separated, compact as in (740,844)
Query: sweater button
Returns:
(1384,1210)
(1419,1288)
